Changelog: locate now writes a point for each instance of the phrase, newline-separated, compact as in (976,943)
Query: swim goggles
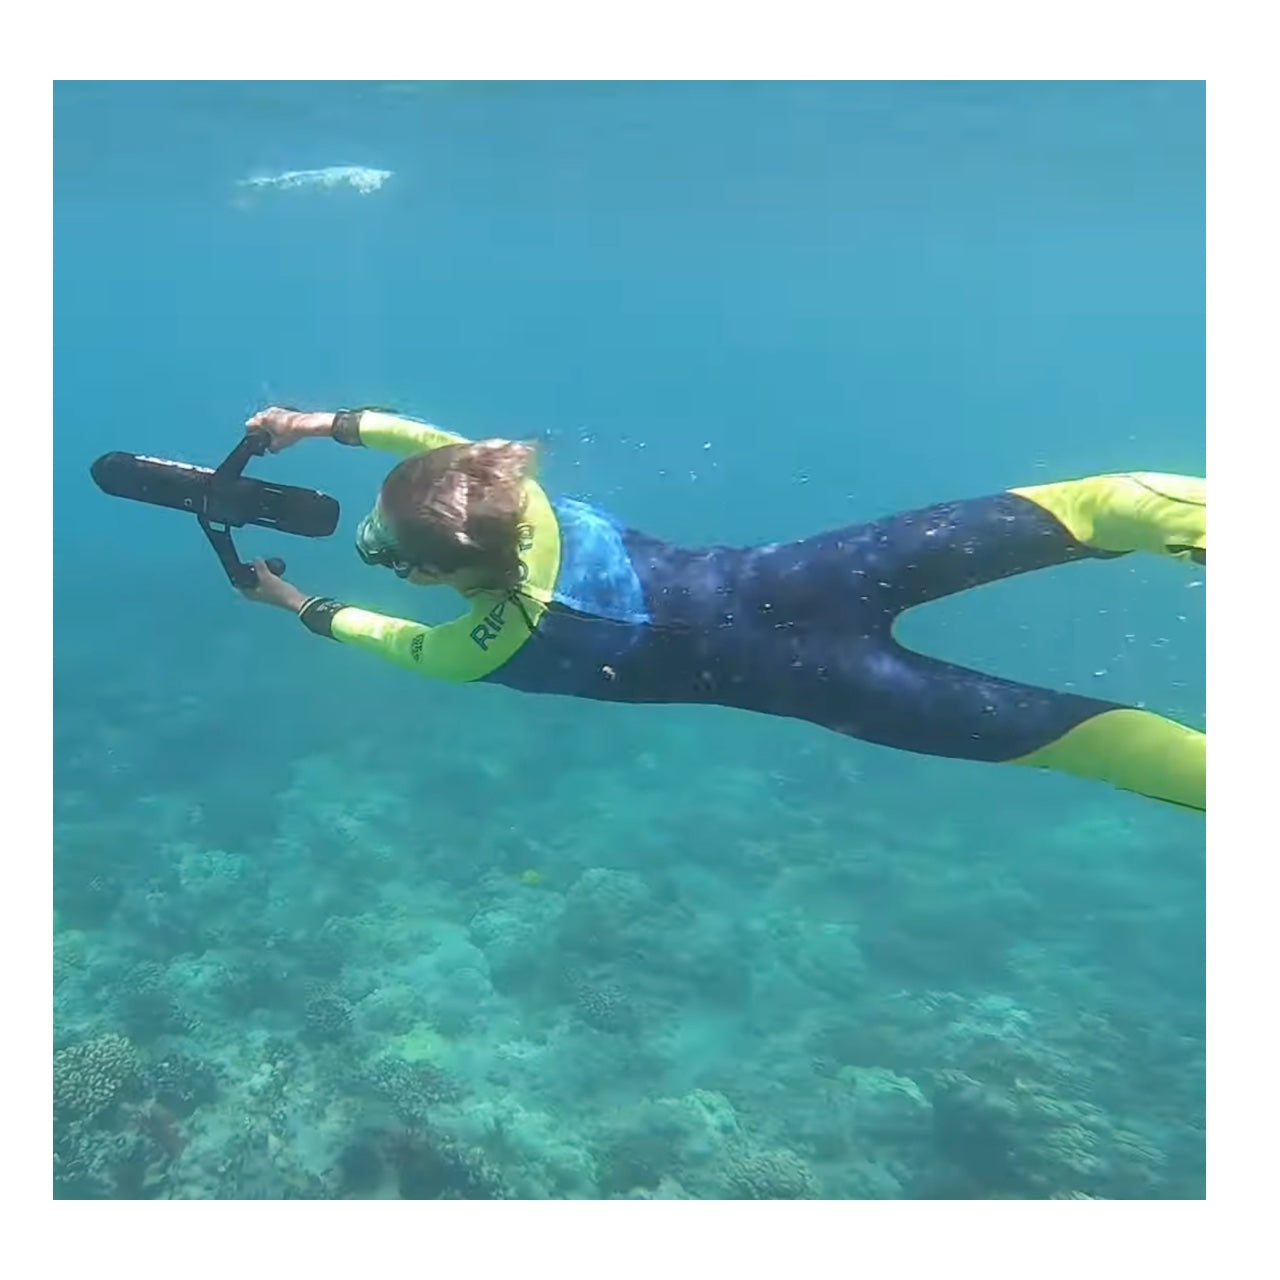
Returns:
(376,544)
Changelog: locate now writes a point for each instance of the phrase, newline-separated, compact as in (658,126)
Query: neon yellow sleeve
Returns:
(402,436)
(468,648)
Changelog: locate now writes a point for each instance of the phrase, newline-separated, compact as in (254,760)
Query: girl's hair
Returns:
(459,507)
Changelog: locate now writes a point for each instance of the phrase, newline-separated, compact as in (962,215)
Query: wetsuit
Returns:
(805,629)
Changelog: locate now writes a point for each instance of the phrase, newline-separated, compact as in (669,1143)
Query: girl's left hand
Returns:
(271,589)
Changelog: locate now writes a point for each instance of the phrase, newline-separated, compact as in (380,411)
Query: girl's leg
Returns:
(920,704)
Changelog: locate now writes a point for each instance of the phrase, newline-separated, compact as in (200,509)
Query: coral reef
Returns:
(90,1076)
(769,1175)
(331,1005)
(413,1090)
(326,1016)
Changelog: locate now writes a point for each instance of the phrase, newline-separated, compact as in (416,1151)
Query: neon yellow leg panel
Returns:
(1135,511)
(1135,750)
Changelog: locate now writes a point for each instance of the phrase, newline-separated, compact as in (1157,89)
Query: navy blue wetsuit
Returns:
(802,629)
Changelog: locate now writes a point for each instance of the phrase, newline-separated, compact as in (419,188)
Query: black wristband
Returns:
(346,426)
(317,613)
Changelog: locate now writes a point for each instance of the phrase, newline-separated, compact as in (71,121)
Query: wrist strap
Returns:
(346,426)
(316,614)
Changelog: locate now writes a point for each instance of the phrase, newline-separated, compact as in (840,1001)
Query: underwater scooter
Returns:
(221,499)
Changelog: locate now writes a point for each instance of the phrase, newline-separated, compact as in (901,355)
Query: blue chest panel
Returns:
(596,574)
(599,613)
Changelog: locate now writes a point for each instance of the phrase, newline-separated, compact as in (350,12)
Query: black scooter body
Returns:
(221,499)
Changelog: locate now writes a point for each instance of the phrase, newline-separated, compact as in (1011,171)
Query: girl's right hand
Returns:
(287,426)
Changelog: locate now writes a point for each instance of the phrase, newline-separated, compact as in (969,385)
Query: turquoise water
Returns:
(325,930)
